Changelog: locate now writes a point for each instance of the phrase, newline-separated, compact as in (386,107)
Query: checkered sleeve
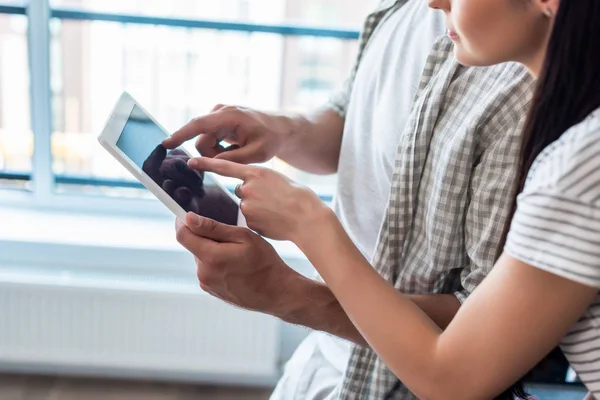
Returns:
(492,187)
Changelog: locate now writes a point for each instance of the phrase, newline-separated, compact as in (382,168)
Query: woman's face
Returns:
(487,32)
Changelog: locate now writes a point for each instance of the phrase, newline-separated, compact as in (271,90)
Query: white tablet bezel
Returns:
(112,132)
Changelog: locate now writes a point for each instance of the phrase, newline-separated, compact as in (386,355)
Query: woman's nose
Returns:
(439,4)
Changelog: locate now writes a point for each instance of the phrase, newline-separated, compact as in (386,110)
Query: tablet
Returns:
(134,138)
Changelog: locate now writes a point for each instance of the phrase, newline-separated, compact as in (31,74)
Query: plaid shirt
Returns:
(451,190)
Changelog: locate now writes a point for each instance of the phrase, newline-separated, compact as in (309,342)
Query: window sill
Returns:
(111,254)
(87,249)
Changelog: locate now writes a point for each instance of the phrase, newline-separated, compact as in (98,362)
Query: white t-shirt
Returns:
(380,103)
(557,228)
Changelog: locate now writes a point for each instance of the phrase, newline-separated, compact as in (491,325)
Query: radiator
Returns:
(131,329)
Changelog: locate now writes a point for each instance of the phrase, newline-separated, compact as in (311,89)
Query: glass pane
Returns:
(16,138)
(331,13)
(13,2)
(176,74)
(313,69)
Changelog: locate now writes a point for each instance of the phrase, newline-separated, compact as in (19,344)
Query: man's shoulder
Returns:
(442,49)
(441,53)
(481,100)
(509,76)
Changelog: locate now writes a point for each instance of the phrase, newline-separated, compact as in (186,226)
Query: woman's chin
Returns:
(469,59)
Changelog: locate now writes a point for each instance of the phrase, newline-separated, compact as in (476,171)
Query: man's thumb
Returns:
(209,228)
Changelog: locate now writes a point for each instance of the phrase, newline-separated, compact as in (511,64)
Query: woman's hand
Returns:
(273,205)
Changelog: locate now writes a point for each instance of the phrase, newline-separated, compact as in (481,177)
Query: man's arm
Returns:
(312,304)
(241,268)
(311,143)
(314,142)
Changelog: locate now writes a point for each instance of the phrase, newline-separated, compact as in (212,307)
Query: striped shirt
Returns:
(557,229)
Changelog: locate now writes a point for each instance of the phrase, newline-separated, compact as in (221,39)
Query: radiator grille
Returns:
(133,329)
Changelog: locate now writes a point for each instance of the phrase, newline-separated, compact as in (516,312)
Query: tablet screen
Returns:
(196,192)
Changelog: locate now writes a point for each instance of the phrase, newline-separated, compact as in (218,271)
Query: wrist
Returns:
(317,226)
(293,127)
(311,304)
(286,302)
(302,297)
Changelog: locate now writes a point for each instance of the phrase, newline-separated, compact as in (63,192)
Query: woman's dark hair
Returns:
(568,91)
(568,88)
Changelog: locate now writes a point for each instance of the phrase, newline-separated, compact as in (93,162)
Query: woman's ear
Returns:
(548,8)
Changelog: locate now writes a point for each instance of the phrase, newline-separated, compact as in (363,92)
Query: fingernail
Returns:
(193,163)
(194,219)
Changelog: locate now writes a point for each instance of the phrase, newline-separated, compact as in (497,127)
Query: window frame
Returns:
(42,179)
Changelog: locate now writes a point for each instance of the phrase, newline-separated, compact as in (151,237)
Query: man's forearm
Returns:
(441,308)
(315,142)
(312,304)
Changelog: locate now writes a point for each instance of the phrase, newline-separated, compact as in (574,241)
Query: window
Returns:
(16,138)
(178,58)
(348,14)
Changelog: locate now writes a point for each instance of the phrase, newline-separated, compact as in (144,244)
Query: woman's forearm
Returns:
(388,321)
(518,315)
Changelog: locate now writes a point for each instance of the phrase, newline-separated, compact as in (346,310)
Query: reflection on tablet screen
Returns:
(196,192)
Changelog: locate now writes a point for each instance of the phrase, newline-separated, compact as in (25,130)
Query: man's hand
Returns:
(311,143)
(254,136)
(237,266)
(241,268)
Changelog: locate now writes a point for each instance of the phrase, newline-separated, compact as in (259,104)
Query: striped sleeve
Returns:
(558,234)
(557,223)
